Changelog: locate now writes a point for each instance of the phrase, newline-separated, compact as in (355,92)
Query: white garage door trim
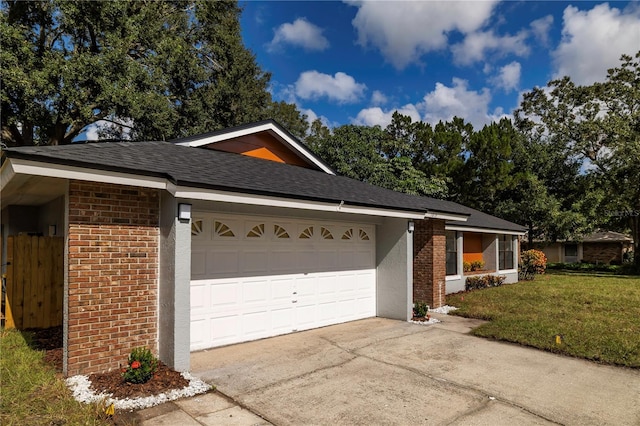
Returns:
(254,277)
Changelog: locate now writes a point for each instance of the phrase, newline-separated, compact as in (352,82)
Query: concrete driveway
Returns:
(379,371)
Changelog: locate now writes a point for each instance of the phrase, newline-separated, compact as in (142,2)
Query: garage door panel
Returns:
(277,277)
(221,263)
(255,261)
(198,262)
(255,292)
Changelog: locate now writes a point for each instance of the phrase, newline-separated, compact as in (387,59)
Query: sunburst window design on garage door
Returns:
(307,233)
(280,232)
(325,233)
(348,234)
(197,226)
(257,231)
(363,235)
(222,230)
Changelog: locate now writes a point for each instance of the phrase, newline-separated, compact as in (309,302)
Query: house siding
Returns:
(112,280)
(429,262)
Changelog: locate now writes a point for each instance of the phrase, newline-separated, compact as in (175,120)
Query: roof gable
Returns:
(266,140)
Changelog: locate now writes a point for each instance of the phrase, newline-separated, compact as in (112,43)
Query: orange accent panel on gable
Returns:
(263,153)
(471,247)
(261,145)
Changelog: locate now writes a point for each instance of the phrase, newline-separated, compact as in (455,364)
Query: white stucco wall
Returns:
(394,263)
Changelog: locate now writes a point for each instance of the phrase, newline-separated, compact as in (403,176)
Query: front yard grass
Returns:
(30,392)
(598,318)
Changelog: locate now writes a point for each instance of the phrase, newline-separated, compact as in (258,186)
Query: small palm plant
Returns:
(142,365)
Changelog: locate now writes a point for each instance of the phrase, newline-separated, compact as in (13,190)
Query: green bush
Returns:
(420,309)
(142,365)
(484,281)
(466,266)
(477,265)
(532,262)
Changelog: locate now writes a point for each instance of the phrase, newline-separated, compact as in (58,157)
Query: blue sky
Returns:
(358,62)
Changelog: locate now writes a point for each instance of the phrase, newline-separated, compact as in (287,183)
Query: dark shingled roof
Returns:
(210,169)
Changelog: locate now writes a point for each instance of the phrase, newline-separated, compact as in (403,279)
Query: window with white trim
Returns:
(505,249)
(452,253)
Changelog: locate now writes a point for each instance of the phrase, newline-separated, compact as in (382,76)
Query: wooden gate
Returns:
(34,282)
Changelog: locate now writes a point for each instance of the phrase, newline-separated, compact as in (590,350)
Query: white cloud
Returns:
(444,103)
(476,45)
(441,104)
(404,31)
(508,78)
(300,33)
(593,40)
(540,29)
(340,87)
(378,98)
(376,116)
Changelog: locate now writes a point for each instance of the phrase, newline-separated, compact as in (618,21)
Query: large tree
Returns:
(157,69)
(599,127)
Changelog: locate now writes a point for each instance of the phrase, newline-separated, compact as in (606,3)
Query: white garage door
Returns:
(256,277)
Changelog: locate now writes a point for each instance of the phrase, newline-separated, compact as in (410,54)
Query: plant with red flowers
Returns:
(142,365)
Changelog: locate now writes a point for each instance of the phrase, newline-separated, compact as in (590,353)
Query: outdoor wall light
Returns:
(184,211)
(411,226)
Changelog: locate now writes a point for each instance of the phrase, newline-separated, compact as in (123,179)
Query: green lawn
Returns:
(30,392)
(597,317)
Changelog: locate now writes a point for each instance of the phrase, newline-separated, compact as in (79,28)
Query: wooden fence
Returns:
(34,282)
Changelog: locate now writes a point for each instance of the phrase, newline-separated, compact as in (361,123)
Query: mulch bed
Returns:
(164,379)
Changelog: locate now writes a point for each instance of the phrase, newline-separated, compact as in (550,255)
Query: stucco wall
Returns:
(174,291)
(394,269)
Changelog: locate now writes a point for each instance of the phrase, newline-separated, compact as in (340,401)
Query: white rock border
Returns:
(431,321)
(444,309)
(81,387)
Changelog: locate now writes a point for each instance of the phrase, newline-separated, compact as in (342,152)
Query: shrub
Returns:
(484,281)
(477,265)
(142,365)
(420,309)
(466,266)
(532,262)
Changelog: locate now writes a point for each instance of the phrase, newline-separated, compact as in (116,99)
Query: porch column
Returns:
(429,262)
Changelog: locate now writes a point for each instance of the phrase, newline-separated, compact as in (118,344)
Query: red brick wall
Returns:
(113,274)
(429,262)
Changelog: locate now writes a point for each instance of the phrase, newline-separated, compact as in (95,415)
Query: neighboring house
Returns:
(606,247)
(195,244)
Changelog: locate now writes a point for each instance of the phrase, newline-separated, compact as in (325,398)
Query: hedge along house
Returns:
(221,238)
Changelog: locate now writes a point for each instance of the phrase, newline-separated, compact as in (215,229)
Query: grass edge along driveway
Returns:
(596,318)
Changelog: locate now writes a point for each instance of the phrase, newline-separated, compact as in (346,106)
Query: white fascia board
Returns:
(262,200)
(482,230)
(29,167)
(445,216)
(6,174)
(266,127)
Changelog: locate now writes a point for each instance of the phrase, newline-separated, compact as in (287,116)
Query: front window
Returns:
(506,252)
(452,253)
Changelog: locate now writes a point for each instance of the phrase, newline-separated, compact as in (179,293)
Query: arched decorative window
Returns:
(257,231)
(280,232)
(307,233)
(325,233)
(363,235)
(222,230)
(348,234)
(197,226)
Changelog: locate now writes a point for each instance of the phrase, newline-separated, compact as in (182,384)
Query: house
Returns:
(606,247)
(226,237)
